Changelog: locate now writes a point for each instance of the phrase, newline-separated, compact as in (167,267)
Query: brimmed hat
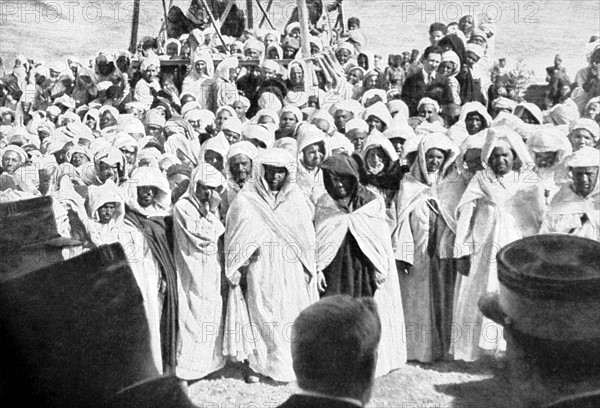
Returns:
(80,329)
(30,223)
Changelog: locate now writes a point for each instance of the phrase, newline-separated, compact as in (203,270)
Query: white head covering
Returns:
(113,111)
(349,105)
(451,56)
(232,124)
(228,109)
(426,128)
(79,149)
(504,136)
(476,141)
(179,145)
(532,108)
(372,93)
(208,176)
(254,44)
(595,99)
(292,109)
(339,142)
(18,150)
(380,111)
(188,107)
(287,143)
(224,66)
(585,157)
(101,195)
(504,103)
(376,139)
(266,112)
(205,117)
(357,124)
(434,141)
(131,125)
(429,101)
(398,105)
(217,144)
(549,139)
(291,26)
(278,157)
(400,130)
(202,54)
(148,176)
(269,101)
(324,115)
(271,65)
(587,124)
(475,49)
(243,147)
(309,135)
(260,133)
(152,59)
(470,107)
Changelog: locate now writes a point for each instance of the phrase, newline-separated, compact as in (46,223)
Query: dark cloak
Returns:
(350,272)
(158,232)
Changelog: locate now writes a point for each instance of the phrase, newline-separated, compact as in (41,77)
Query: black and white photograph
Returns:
(299,204)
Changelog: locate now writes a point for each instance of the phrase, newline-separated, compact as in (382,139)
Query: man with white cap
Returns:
(232,129)
(238,169)
(110,164)
(502,104)
(584,132)
(148,85)
(575,209)
(344,111)
(548,148)
(357,131)
(12,157)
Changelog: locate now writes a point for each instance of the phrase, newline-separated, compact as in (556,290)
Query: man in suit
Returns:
(334,352)
(424,82)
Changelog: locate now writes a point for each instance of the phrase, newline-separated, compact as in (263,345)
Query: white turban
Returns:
(293,110)
(587,124)
(585,157)
(429,101)
(149,61)
(357,124)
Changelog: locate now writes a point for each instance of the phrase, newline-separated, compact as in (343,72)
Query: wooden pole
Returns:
(305,44)
(166,23)
(215,25)
(262,21)
(250,12)
(341,16)
(304,34)
(265,15)
(135,22)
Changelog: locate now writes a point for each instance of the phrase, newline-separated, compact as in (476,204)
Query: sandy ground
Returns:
(439,385)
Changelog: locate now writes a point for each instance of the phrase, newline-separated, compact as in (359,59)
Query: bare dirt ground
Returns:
(439,385)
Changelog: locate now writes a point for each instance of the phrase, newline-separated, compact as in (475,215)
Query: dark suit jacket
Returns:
(304,401)
(415,89)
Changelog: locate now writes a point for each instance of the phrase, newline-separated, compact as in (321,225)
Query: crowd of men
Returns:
(251,183)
